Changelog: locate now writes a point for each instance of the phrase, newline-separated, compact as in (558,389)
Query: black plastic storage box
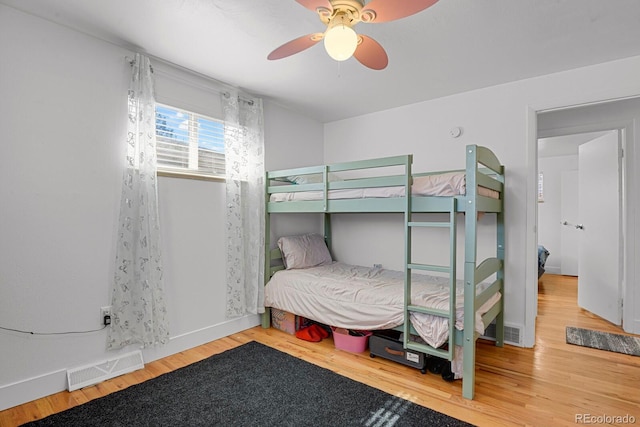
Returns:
(387,344)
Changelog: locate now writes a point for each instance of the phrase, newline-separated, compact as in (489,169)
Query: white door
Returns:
(599,200)
(569,213)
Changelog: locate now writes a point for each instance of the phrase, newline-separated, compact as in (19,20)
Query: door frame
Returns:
(630,320)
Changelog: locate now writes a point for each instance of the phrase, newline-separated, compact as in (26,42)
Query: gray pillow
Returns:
(304,251)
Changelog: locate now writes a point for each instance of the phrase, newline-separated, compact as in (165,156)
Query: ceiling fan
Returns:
(340,40)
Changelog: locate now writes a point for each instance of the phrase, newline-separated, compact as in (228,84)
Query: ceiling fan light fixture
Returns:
(340,40)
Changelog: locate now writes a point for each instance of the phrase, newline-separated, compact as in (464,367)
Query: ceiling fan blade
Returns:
(295,46)
(315,4)
(386,10)
(371,54)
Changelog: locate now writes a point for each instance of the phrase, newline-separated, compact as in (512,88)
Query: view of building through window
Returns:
(188,142)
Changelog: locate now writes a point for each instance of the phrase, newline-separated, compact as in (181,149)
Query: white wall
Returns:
(549,212)
(63,106)
(501,118)
(294,141)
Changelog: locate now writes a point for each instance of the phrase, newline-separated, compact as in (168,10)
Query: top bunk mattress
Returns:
(361,298)
(438,185)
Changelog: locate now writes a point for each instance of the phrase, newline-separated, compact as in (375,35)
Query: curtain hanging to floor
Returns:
(244,158)
(139,313)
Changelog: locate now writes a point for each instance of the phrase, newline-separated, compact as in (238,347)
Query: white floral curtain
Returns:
(139,313)
(244,158)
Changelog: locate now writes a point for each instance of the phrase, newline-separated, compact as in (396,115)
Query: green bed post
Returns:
(471,222)
(326,216)
(407,250)
(266,316)
(326,229)
(500,274)
(453,275)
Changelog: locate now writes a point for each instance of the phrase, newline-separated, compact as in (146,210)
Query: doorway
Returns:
(579,210)
(604,116)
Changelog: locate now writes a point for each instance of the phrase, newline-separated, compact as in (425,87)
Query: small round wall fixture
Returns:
(455,132)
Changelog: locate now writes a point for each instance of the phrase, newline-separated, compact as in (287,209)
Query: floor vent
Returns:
(93,374)
(511,334)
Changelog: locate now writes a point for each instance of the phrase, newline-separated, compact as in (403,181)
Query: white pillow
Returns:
(307,250)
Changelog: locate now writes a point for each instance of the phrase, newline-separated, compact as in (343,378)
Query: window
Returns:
(189,143)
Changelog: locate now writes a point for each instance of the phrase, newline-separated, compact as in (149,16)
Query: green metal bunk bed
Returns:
(482,170)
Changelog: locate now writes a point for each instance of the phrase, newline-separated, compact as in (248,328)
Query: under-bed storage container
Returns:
(287,322)
(356,343)
(387,344)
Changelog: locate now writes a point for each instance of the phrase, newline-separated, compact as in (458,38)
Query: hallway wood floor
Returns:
(552,384)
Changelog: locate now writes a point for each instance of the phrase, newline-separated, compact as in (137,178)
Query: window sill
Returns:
(189,175)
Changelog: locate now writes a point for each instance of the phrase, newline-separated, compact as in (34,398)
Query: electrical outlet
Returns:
(105,315)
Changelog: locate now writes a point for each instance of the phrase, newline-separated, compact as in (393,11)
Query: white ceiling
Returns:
(452,47)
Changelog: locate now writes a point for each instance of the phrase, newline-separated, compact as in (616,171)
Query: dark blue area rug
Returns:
(251,385)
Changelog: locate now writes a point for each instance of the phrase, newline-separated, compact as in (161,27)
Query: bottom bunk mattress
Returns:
(356,297)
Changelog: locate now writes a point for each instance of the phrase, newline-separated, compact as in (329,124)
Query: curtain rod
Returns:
(240,98)
(226,87)
(132,62)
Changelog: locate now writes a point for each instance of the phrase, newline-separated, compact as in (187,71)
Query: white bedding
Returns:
(356,297)
(446,184)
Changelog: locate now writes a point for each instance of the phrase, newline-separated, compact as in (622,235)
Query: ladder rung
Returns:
(428,349)
(427,267)
(427,310)
(429,224)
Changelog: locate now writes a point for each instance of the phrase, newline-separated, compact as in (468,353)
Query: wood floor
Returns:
(550,385)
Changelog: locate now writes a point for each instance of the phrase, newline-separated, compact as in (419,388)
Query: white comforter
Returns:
(355,297)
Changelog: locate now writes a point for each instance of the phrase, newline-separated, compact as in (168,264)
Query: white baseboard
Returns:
(202,336)
(552,269)
(53,382)
(33,388)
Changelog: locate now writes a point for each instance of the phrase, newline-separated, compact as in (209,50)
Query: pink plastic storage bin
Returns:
(351,343)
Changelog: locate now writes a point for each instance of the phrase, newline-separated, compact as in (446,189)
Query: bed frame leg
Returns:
(468,368)
(500,329)
(266,318)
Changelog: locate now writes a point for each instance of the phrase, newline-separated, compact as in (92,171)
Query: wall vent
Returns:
(93,374)
(512,334)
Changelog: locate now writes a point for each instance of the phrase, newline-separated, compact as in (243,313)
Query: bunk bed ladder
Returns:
(448,269)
